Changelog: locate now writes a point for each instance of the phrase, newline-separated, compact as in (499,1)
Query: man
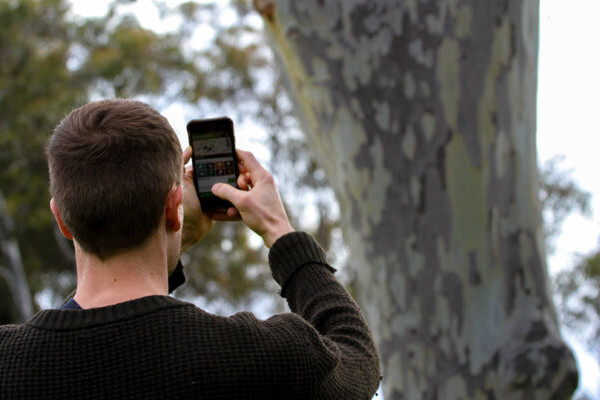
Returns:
(119,192)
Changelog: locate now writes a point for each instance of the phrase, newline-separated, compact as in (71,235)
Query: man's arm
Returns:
(344,350)
(345,359)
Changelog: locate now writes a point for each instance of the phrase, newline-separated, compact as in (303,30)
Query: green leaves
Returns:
(52,63)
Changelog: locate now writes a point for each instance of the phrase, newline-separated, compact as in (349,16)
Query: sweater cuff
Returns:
(293,251)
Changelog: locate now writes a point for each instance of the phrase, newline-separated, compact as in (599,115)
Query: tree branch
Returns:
(266,8)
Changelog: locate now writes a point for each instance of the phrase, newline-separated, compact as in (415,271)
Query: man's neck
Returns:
(138,273)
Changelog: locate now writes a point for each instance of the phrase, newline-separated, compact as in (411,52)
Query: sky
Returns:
(568,125)
(569,87)
(567,120)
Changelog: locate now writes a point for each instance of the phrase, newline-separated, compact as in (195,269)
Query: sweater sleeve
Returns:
(345,346)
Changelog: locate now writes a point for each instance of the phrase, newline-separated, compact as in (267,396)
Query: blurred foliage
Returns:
(213,59)
(559,197)
(577,290)
(225,263)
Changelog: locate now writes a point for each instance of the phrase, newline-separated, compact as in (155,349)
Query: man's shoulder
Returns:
(7,330)
(11,335)
(9,327)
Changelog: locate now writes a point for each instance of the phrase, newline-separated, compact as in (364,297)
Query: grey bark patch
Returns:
(474,276)
(452,289)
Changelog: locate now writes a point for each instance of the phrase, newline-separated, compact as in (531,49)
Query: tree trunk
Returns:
(422,114)
(12,273)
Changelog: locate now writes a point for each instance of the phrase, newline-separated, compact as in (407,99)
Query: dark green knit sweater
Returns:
(157,347)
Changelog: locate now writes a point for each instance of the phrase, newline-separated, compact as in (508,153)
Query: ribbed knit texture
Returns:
(158,347)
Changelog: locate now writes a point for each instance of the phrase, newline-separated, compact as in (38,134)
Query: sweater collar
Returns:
(54,319)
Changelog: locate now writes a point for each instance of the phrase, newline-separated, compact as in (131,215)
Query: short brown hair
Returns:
(112,163)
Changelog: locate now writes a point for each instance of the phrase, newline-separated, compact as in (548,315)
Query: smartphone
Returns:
(213,158)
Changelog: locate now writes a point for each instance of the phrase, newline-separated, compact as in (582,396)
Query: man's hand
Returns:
(196,223)
(257,201)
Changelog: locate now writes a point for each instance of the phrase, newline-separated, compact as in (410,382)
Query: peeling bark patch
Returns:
(474,277)
(428,125)
(415,190)
(537,269)
(501,187)
(556,354)
(410,86)
(421,55)
(462,28)
(543,369)
(398,290)
(513,270)
(381,181)
(409,143)
(452,289)
(437,221)
(537,332)
(382,115)
(454,388)
(449,79)
(465,188)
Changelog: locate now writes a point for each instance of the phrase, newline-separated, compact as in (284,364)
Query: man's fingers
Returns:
(243,181)
(187,154)
(231,214)
(240,157)
(248,163)
(188,170)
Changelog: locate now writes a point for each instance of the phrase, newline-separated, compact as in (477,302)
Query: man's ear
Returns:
(61,224)
(173,208)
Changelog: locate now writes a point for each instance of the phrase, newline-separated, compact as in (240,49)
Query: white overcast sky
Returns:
(569,109)
(568,116)
(568,124)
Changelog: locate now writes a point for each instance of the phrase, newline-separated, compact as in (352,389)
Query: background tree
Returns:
(422,115)
(52,63)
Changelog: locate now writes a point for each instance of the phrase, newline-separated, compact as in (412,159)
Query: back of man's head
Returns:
(112,163)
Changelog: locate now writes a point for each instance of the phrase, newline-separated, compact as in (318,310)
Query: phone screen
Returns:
(213,158)
(214,161)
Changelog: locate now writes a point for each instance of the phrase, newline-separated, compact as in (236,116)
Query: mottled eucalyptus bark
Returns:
(422,114)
